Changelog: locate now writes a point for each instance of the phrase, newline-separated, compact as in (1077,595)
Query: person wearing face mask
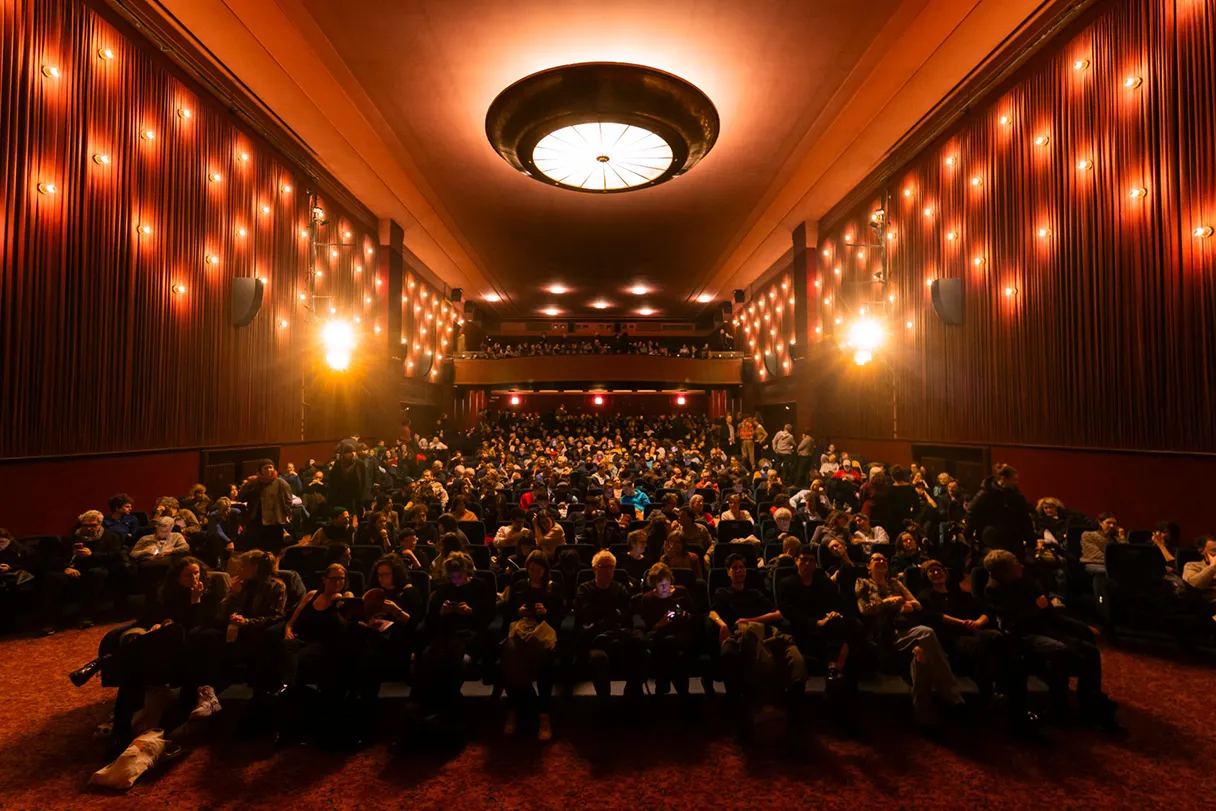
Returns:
(672,628)
(893,616)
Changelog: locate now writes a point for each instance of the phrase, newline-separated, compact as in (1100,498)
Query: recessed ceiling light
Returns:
(550,311)
(638,290)
(488,297)
(600,305)
(558,289)
(645,311)
(705,298)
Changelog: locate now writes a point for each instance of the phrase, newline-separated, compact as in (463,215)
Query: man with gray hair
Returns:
(77,568)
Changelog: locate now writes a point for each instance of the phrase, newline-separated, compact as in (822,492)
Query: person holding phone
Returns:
(533,606)
(78,567)
(672,628)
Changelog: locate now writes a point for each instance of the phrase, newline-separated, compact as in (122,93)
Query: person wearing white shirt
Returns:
(863,532)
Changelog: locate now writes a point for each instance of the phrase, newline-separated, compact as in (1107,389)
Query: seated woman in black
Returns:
(325,647)
(392,610)
(673,627)
(461,609)
(175,638)
(534,607)
(976,648)
(637,561)
(518,558)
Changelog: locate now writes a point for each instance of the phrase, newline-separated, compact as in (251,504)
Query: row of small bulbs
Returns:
(766,314)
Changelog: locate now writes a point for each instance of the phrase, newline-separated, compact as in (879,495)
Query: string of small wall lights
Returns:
(414,321)
(750,319)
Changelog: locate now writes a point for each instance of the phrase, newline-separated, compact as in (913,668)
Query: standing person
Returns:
(1000,515)
(347,479)
(269,500)
(805,451)
(784,446)
(747,441)
(760,431)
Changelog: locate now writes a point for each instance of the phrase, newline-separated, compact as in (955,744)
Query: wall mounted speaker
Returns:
(948,300)
(738,295)
(246,300)
(457,293)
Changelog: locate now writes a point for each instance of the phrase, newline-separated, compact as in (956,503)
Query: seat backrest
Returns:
(363,557)
(585,551)
(751,555)
(1072,540)
(913,580)
(1140,536)
(1185,556)
(295,588)
(979,581)
(304,559)
(771,550)
(141,517)
(568,528)
(1134,566)
(475,531)
(729,530)
(480,556)
(421,580)
(619,550)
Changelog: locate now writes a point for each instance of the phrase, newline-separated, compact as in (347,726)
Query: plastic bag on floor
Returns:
(144,752)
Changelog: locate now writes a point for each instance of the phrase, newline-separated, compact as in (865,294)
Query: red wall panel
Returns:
(45,497)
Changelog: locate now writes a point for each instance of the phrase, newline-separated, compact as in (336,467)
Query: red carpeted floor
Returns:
(1164,761)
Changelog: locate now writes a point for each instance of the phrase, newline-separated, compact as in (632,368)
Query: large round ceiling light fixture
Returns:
(602,127)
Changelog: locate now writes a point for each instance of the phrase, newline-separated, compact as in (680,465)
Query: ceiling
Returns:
(392,97)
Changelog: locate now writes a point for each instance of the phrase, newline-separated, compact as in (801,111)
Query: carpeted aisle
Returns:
(1164,761)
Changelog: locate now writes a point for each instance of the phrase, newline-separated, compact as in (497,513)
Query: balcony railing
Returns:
(477,369)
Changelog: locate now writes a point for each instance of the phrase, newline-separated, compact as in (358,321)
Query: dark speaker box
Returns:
(738,295)
(246,300)
(948,300)
(457,294)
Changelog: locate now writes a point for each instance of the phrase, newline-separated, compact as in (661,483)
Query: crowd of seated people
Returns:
(566,547)
(609,345)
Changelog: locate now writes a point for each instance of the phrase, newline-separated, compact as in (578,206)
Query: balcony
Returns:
(719,369)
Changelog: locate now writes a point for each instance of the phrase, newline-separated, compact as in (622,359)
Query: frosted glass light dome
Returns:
(602,156)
